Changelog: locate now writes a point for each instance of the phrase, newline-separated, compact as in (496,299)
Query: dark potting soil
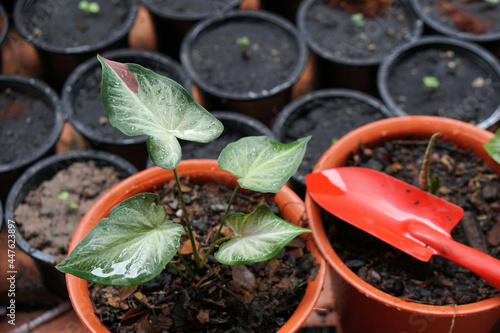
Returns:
(48,222)
(87,103)
(466,181)
(266,62)
(62,23)
(212,149)
(327,119)
(467,91)
(333,29)
(472,16)
(26,121)
(191,6)
(252,298)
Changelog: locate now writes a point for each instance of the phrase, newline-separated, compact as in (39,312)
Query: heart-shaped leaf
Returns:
(493,146)
(262,164)
(140,102)
(258,236)
(129,247)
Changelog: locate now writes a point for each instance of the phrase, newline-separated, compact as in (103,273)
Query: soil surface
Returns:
(48,222)
(252,298)
(26,121)
(472,16)
(465,181)
(268,60)
(87,103)
(467,91)
(191,6)
(62,23)
(333,29)
(326,119)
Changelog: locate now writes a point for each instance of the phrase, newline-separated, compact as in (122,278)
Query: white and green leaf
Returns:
(262,164)
(129,247)
(140,102)
(493,146)
(258,236)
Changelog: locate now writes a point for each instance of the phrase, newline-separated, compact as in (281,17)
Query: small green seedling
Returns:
(430,82)
(425,182)
(244,42)
(89,7)
(64,195)
(492,147)
(135,242)
(358,19)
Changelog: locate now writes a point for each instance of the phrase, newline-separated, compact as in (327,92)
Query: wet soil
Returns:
(468,90)
(26,121)
(465,181)
(62,23)
(46,221)
(327,120)
(191,6)
(252,298)
(332,28)
(269,59)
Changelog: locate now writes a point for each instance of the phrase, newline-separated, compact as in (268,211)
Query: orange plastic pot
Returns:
(364,308)
(200,172)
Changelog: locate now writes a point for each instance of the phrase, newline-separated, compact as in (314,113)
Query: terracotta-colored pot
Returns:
(199,171)
(364,308)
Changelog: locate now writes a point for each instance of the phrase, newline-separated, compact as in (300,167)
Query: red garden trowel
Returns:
(400,214)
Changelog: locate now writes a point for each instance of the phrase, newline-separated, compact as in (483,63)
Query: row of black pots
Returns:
(468,91)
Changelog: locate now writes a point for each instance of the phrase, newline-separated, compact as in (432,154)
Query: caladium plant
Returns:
(136,241)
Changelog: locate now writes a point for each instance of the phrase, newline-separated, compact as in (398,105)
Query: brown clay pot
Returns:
(199,171)
(364,308)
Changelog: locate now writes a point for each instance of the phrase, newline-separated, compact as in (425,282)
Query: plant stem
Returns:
(181,273)
(186,218)
(188,269)
(214,241)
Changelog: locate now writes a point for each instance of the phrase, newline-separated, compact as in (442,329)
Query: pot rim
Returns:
(5,23)
(23,183)
(484,58)
(445,30)
(327,54)
(237,16)
(188,16)
(150,179)
(42,45)
(384,130)
(82,70)
(45,92)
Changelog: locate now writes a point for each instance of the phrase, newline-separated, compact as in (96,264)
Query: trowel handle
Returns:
(476,261)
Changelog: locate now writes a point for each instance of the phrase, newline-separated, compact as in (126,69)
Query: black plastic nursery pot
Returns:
(467,75)
(31,121)
(34,177)
(4,28)
(236,126)
(473,21)
(65,35)
(347,52)
(81,98)
(327,115)
(173,19)
(245,61)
